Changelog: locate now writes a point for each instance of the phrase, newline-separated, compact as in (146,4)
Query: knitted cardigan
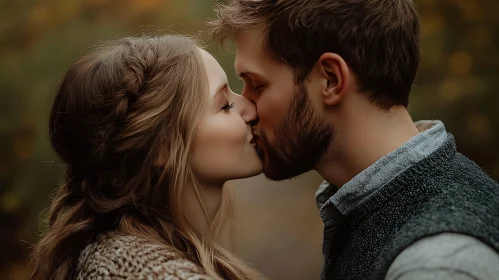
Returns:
(113,256)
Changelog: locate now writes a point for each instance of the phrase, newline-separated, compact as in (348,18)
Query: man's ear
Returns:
(335,72)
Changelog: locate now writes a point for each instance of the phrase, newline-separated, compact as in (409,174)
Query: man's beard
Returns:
(300,140)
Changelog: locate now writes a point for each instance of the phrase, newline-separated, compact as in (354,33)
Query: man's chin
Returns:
(277,171)
(275,168)
(279,175)
(260,153)
(261,148)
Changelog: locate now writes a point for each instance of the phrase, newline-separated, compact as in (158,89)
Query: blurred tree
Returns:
(457,77)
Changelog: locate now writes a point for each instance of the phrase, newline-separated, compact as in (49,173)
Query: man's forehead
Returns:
(249,49)
(251,33)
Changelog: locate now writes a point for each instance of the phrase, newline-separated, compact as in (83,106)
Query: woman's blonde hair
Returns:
(123,121)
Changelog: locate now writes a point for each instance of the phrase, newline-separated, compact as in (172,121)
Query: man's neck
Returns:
(369,135)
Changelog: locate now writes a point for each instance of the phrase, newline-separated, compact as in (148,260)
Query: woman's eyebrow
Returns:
(220,89)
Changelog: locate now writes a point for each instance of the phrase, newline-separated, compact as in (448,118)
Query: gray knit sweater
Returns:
(441,193)
(114,257)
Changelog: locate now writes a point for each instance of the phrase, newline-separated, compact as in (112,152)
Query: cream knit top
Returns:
(114,257)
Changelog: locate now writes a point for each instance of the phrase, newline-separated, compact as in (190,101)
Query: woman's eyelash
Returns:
(228,106)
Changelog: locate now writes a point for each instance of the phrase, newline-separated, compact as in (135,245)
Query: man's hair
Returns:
(379,39)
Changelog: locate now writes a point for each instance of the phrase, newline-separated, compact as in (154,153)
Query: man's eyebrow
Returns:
(242,74)
(246,74)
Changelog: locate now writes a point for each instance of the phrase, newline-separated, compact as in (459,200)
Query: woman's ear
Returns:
(336,75)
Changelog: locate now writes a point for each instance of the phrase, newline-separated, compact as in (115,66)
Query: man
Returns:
(331,82)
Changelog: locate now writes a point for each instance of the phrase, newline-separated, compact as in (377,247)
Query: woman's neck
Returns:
(202,208)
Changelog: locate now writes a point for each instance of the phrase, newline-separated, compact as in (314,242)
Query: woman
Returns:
(150,132)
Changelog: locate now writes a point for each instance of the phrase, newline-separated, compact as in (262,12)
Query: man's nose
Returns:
(249,95)
(247,109)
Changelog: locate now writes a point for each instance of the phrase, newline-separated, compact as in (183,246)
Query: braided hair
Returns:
(123,120)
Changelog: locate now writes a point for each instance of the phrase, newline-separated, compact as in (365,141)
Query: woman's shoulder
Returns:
(117,256)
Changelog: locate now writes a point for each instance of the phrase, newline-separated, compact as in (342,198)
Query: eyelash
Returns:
(228,106)
(257,88)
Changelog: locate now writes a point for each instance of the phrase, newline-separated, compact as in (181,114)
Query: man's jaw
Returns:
(260,150)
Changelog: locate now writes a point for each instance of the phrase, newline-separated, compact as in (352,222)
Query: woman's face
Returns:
(223,148)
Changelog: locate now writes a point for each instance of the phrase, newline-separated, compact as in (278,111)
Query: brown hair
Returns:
(123,120)
(379,39)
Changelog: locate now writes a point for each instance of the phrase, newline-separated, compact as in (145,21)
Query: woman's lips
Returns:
(253,140)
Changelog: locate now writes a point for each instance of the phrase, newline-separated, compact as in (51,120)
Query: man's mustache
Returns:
(256,131)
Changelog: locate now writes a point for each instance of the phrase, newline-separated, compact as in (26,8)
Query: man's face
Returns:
(292,136)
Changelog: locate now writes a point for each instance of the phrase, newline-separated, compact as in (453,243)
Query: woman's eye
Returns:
(228,106)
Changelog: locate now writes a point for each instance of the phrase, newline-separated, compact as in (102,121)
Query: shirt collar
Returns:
(432,135)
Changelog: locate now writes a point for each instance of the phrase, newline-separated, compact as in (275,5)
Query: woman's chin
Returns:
(257,172)
(254,165)
(250,172)
(258,169)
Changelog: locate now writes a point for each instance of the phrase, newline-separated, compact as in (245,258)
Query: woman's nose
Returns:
(246,108)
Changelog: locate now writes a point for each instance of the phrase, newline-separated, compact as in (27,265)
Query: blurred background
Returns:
(279,230)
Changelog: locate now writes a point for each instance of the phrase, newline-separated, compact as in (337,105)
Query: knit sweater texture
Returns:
(114,257)
(445,192)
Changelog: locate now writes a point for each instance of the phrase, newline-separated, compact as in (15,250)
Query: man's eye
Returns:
(258,88)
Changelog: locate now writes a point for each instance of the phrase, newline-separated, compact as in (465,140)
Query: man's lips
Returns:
(254,140)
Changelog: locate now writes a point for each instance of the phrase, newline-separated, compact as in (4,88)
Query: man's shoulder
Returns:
(446,256)
(463,183)
(460,198)
(459,181)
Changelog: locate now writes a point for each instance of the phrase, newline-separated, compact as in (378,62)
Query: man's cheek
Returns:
(269,119)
